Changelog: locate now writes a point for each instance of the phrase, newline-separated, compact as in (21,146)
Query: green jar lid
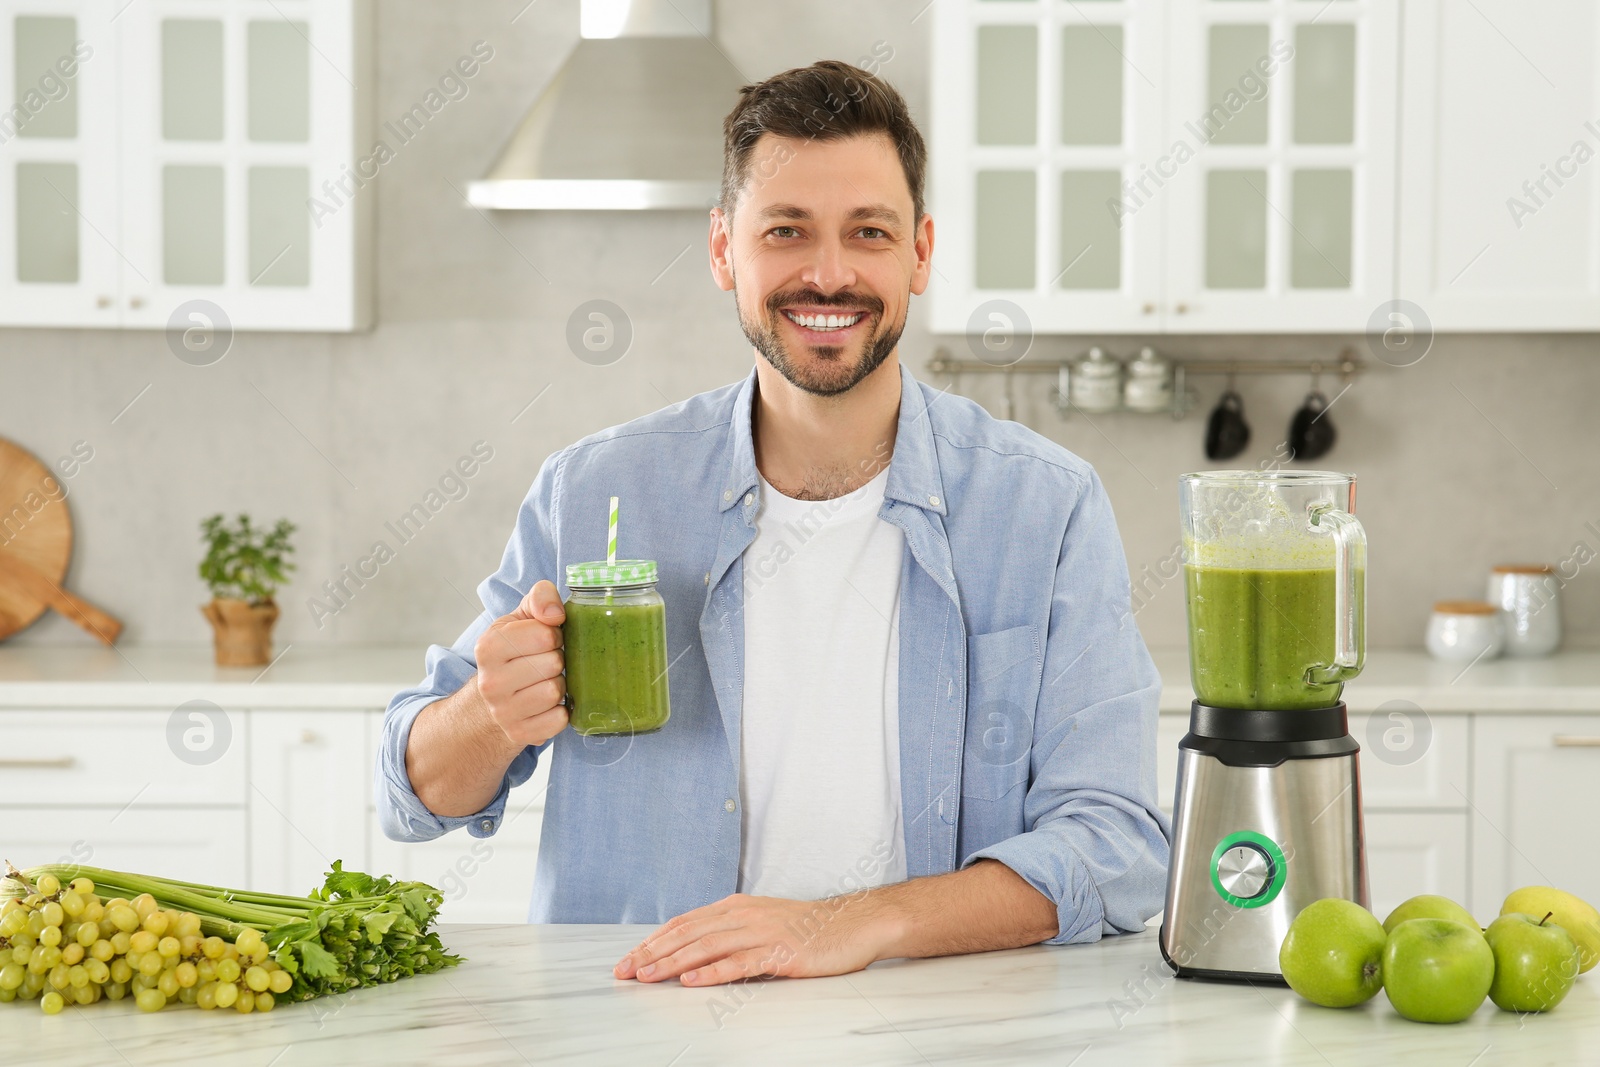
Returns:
(601,574)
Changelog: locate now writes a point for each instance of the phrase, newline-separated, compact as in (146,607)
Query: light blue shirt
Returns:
(1027,698)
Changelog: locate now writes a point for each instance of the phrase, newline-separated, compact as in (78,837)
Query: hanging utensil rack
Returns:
(1184,398)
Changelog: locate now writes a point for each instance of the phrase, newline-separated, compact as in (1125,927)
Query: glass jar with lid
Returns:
(615,646)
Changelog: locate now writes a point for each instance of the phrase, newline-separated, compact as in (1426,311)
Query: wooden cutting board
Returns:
(35,548)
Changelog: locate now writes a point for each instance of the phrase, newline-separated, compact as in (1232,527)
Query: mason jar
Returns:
(615,646)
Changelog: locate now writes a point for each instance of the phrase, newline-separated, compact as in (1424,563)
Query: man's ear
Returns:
(923,268)
(719,243)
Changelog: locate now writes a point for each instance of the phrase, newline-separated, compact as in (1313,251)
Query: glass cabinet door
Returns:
(59,233)
(1036,147)
(1282,220)
(238,190)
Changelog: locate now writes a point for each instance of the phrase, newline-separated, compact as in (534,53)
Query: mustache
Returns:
(863,301)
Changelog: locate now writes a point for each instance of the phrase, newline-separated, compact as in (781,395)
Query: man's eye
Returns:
(784,231)
(873,232)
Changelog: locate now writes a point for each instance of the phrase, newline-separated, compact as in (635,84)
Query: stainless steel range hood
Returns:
(632,121)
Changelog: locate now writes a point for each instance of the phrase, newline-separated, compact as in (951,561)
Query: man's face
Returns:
(823,255)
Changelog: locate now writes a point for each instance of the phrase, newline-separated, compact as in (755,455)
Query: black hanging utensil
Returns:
(1311,432)
(1227,434)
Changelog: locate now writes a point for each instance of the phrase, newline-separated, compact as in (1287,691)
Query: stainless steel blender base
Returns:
(1252,846)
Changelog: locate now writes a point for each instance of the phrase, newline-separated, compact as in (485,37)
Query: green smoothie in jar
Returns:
(615,646)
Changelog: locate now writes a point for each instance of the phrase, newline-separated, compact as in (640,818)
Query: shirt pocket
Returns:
(1002,695)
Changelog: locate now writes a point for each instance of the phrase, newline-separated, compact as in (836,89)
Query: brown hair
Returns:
(826,101)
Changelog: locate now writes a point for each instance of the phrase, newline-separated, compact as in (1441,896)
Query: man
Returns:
(911,715)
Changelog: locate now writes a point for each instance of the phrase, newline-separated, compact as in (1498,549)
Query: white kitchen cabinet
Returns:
(123,759)
(216,156)
(1039,114)
(310,787)
(1408,765)
(1283,222)
(487,880)
(1536,787)
(1499,223)
(1410,852)
(205,845)
(1157,165)
(58,165)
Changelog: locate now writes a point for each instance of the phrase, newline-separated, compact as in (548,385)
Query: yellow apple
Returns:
(1568,912)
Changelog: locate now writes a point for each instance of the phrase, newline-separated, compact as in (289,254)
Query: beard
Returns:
(830,370)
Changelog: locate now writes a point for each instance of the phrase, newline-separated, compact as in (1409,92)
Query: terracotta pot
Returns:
(243,631)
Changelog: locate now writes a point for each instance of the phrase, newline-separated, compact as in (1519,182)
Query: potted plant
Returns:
(244,565)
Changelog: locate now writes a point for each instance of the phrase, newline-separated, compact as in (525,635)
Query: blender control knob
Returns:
(1245,871)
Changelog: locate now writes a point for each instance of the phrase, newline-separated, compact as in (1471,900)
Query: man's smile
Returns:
(821,325)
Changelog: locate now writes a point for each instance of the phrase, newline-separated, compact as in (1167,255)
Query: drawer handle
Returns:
(1575,741)
(60,763)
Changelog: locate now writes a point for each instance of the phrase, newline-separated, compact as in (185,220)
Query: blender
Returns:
(1267,816)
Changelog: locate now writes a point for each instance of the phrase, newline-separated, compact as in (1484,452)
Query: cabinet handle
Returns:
(308,737)
(1575,741)
(102,301)
(1148,309)
(60,763)
(1182,309)
(136,301)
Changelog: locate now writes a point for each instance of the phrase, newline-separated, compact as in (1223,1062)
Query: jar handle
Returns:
(1349,601)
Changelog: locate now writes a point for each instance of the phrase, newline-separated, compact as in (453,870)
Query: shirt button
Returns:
(727,494)
(749,498)
(708,577)
(486,825)
(934,501)
(729,805)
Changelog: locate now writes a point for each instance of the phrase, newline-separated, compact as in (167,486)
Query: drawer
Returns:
(1413,760)
(1416,852)
(135,758)
(1408,760)
(190,845)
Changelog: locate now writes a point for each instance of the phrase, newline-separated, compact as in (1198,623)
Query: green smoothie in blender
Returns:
(1253,632)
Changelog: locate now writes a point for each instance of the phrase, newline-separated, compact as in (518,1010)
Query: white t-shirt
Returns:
(819,779)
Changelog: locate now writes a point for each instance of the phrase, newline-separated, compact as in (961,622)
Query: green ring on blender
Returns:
(1278,875)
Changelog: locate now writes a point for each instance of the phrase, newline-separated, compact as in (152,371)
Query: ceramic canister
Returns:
(1527,595)
(1464,630)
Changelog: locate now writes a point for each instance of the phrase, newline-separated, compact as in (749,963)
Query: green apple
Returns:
(1333,953)
(1429,906)
(1437,970)
(1571,914)
(1535,962)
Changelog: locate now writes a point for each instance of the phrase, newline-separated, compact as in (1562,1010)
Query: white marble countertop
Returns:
(344,676)
(163,676)
(544,994)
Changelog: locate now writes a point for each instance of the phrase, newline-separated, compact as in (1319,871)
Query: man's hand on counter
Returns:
(985,907)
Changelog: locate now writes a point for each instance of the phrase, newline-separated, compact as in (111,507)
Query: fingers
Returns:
(543,603)
(678,932)
(515,675)
(697,953)
(537,729)
(511,637)
(746,963)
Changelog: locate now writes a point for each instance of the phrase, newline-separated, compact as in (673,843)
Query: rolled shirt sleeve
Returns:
(1097,841)
(530,557)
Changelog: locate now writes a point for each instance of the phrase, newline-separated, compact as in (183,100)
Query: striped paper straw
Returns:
(611,536)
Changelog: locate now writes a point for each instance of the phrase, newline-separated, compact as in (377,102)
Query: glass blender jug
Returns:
(1275,570)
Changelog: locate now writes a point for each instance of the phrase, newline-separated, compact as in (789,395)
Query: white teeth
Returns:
(824,322)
